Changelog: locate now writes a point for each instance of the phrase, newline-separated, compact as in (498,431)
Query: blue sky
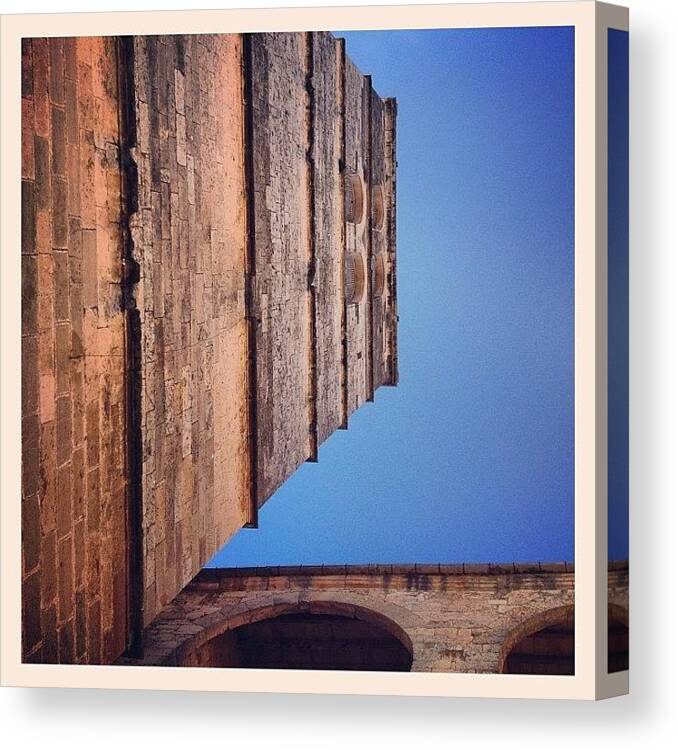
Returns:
(618,296)
(470,458)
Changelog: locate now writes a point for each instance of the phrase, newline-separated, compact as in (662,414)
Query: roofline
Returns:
(408,569)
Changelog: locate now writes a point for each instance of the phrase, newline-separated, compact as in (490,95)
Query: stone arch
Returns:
(538,622)
(549,618)
(617,638)
(618,613)
(379,614)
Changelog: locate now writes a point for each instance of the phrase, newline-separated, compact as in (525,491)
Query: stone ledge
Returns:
(212,575)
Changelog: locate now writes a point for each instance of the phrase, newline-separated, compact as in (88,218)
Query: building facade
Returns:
(515,618)
(208,292)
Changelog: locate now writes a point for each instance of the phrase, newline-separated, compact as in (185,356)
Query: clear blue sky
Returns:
(618,296)
(470,458)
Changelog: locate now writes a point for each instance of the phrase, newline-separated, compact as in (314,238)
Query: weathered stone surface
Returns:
(453,621)
(391,301)
(218,298)
(190,246)
(282,257)
(357,235)
(328,235)
(66,357)
(379,260)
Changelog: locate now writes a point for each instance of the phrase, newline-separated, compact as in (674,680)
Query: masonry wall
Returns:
(189,237)
(455,618)
(315,117)
(251,356)
(186,339)
(282,257)
(74,527)
(356,157)
(390,300)
(328,228)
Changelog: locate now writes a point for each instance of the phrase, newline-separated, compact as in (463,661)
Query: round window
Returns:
(354,278)
(379,275)
(378,207)
(354,197)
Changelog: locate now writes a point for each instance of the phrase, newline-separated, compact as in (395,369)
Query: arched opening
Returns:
(617,639)
(547,650)
(305,638)
(544,645)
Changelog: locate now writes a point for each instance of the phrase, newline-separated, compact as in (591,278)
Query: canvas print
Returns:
(298,331)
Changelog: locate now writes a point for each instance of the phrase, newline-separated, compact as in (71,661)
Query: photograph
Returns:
(298,346)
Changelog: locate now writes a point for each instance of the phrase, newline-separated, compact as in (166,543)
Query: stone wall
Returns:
(390,300)
(189,234)
(356,157)
(311,122)
(455,618)
(282,257)
(186,342)
(74,482)
(328,230)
